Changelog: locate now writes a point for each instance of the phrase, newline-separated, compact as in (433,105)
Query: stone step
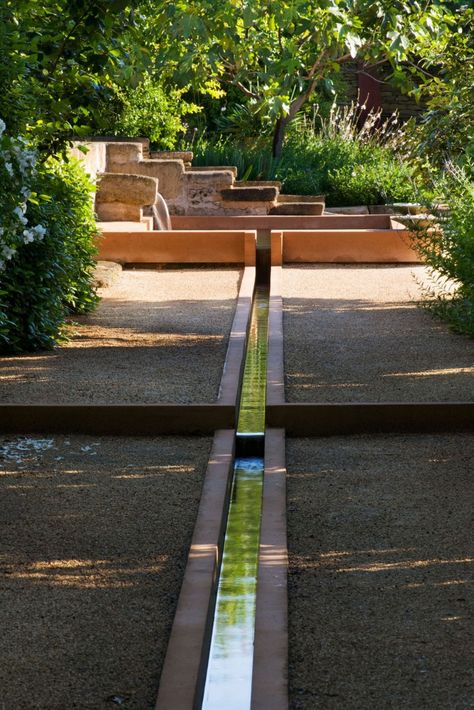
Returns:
(126,187)
(258,183)
(212,168)
(298,208)
(250,194)
(301,198)
(185,155)
(357,210)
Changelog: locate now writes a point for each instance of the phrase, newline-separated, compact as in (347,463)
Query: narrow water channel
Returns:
(229,673)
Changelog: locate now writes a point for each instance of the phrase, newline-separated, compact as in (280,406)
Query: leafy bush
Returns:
(348,164)
(149,110)
(447,246)
(47,233)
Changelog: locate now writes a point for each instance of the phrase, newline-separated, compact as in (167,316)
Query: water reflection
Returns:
(229,672)
(229,676)
(252,402)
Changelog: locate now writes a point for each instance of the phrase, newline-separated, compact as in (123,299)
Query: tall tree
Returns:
(59,58)
(278,52)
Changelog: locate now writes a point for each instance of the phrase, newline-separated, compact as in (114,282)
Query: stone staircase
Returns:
(187,189)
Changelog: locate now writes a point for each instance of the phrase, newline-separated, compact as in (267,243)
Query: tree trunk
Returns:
(279,135)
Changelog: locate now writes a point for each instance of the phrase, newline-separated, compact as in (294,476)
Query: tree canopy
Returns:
(278,53)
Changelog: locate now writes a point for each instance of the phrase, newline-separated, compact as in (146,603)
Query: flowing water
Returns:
(229,673)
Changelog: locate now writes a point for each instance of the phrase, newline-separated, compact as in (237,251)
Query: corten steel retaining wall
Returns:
(179,247)
(342,246)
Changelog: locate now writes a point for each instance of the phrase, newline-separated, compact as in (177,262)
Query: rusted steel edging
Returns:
(310,419)
(275,369)
(115,419)
(232,373)
(270,668)
(183,671)
(179,246)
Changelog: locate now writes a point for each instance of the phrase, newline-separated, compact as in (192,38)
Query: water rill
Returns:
(229,672)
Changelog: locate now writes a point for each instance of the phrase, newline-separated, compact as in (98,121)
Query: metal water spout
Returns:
(161,215)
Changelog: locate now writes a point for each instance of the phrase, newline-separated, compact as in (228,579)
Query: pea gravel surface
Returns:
(380,535)
(356,334)
(94,535)
(157,336)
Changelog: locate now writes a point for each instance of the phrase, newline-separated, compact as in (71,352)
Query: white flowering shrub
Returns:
(17,171)
(47,246)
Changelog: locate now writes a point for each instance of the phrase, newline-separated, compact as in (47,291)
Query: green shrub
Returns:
(447,246)
(148,110)
(47,247)
(351,166)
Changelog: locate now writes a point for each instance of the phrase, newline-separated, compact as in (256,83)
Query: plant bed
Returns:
(356,334)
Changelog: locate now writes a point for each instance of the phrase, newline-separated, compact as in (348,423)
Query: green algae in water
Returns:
(253,396)
(229,677)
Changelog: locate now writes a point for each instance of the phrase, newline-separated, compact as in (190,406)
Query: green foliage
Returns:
(150,110)
(251,157)
(351,166)
(60,60)
(49,277)
(446,129)
(277,54)
(447,246)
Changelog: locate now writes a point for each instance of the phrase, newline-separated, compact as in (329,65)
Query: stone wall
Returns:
(391,99)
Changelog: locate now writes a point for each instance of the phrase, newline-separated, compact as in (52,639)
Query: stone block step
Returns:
(301,198)
(212,168)
(298,208)
(185,155)
(258,183)
(250,194)
(126,188)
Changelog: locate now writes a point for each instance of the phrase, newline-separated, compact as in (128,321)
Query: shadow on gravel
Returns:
(128,352)
(361,350)
(94,538)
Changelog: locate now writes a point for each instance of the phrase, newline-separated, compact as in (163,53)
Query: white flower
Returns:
(2,263)
(25,192)
(40,231)
(9,169)
(28,236)
(18,211)
(8,252)
(2,126)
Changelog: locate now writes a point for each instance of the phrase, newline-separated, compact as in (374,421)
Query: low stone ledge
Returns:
(184,155)
(106,274)
(250,194)
(301,198)
(296,208)
(212,168)
(258,183)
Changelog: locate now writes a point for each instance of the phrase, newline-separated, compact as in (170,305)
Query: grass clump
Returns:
(447,247)
(350,165)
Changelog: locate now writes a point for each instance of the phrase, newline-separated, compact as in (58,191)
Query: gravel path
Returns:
(158,336)
(380,586)
(354,333)
(94,536)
